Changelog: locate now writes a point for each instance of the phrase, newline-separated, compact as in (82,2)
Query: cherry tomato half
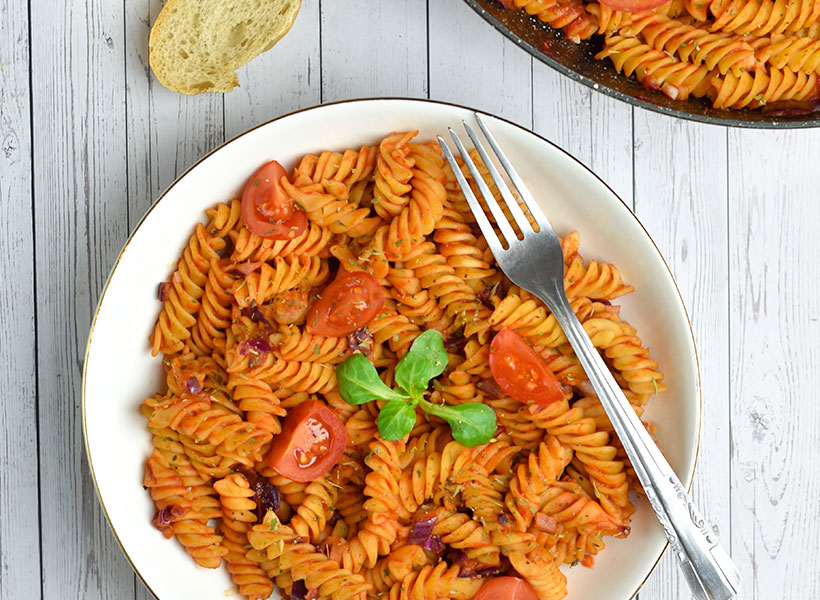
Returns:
(311,443)
(506,588)
(633,5)
(520,371)
(266,209)
(350,302)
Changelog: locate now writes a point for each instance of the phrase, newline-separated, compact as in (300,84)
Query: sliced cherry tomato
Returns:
(266,209)
(520,371)
(311,443)
(633,5)
(350,302)
(506,588)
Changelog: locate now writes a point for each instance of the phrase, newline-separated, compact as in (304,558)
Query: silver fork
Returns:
(707,567)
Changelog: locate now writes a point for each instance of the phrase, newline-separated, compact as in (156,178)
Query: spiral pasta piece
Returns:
(531,478)
(322,185)
(795,53)
(285,274)
(419,217)
(236,498)
(572,428)
(298,345)
(214,315)
(393,173)
(722,52)
(761,17)
(760,88)
(313,511)
(184,292)
(249,247)
(540,570)
(441,581)
(234,438)
(395,567)
(262,406)
(180,518)
(654,69)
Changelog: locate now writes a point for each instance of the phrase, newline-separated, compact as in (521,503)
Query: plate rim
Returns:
(813,122)
(159,198)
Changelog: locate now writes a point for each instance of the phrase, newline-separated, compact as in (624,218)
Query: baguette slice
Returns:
(196,45)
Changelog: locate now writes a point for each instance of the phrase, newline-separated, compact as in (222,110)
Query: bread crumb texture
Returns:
(197,45)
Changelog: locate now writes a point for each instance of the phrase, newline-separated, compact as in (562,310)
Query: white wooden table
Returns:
(88,139)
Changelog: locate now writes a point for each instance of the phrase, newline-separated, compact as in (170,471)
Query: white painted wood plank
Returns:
(167,132)
(774,213)
(474,65)
(283,79)
(19,524)
(594,128)
(373,49)
(680,196)
(80,224)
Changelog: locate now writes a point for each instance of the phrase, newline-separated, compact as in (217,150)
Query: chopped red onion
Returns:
(545,523)
(421,531)
(455,341)
(433,544)
(473,569)
(360,340)
(244,269)
(265,494)
(298,591)
(254,313)
(164,291)
(193,386)
(164,517)
(503,520)
(255,346)
(484,297)
(490,387)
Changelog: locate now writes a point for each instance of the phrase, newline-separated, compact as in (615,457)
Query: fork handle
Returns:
(706,566)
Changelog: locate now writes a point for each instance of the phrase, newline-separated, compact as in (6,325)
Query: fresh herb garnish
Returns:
(472,423)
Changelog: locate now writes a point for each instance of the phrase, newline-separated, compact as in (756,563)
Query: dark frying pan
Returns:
(577,62)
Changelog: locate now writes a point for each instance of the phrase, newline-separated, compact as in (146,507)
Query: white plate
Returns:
(120,372)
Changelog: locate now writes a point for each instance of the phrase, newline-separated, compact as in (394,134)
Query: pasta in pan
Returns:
(735,53)
(262,462)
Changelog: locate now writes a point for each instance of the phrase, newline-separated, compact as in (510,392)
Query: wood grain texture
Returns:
(167,132)
(680,197)
(79,145)
(19,514)
(373,49)
(283,79)
(595,129)
(774,319)
(473,65)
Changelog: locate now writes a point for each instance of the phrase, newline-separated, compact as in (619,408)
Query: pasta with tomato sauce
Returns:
(259,462)
(734,53)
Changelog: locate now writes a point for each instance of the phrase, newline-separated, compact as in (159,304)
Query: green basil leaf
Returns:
(396,419)
(472,423)
(359,382)
(426,359)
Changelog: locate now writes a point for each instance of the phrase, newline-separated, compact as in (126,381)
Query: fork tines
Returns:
(537,220)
